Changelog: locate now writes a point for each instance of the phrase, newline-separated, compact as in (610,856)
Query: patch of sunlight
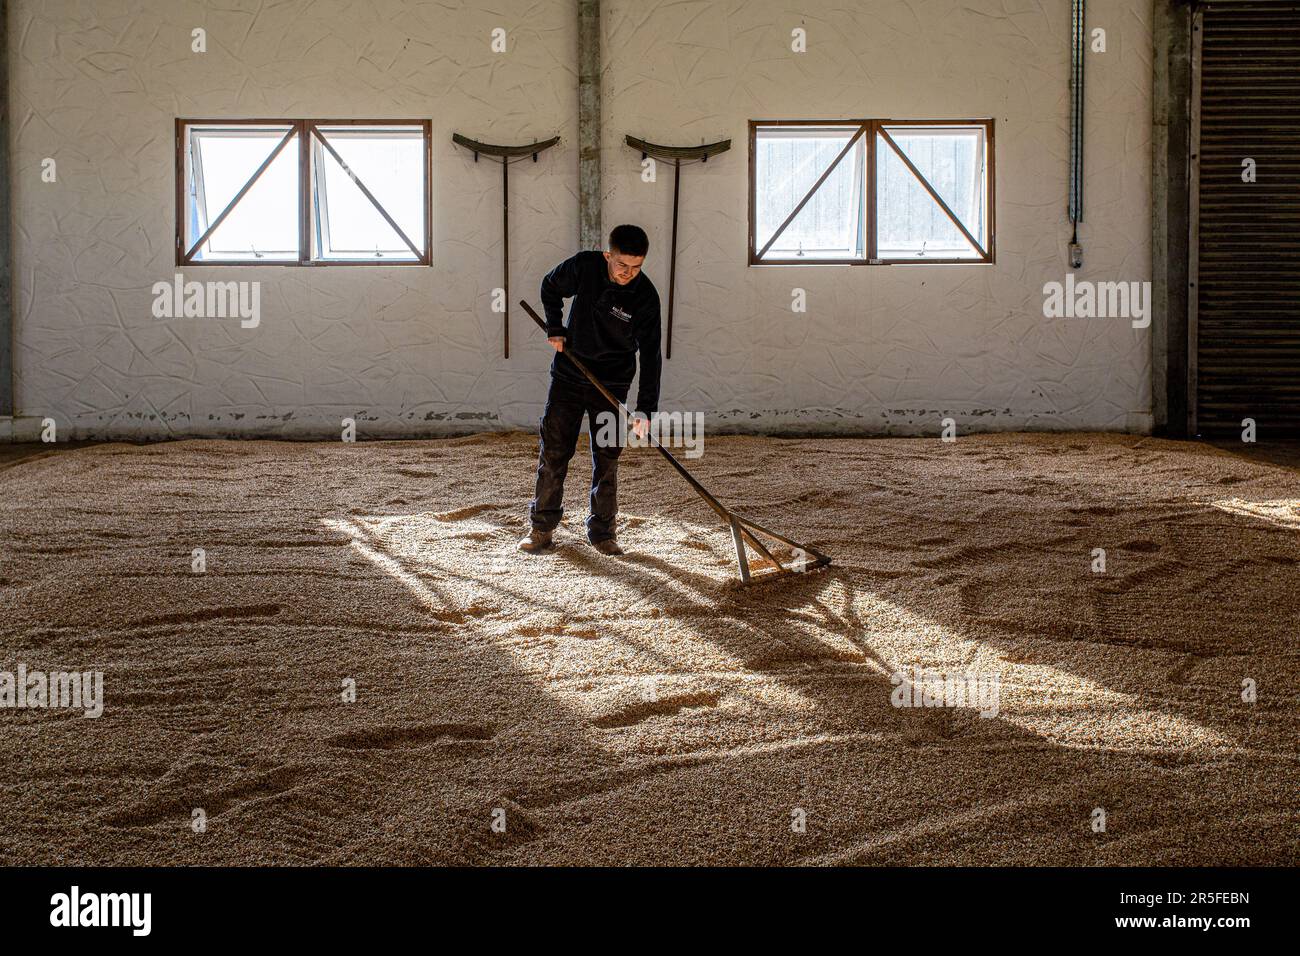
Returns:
(569,623)
(1054,703)
(1070,710)
(652,645)
(1283,511)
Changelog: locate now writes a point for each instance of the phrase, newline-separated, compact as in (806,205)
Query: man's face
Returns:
(623,268)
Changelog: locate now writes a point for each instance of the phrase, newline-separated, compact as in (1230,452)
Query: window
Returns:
(303,192)
(870,191)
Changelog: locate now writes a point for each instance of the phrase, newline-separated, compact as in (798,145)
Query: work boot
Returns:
(535,542)
(607,546)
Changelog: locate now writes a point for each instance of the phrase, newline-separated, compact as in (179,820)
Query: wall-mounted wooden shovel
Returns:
(505,154)
(676,155)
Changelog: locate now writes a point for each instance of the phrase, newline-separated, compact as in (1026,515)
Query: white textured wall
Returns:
(97,85)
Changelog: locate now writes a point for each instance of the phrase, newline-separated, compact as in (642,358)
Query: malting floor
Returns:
(647,709)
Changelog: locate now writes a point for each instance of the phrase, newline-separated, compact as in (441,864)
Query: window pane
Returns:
(390,162)
(264,224)
(910,224)
(788,160)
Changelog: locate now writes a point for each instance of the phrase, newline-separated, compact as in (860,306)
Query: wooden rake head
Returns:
(769,568)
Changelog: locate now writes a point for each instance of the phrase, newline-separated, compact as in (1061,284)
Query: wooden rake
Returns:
(742,528)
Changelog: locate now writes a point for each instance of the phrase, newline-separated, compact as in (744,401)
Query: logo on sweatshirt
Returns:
(619,313)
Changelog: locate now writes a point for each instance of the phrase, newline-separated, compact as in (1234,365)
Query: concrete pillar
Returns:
(1170,214)
(589,131)
(6,247)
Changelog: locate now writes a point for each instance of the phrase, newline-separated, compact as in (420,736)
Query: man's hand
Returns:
(640,427)
(557,342)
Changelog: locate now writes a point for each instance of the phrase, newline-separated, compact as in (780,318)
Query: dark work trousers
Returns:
(566,404)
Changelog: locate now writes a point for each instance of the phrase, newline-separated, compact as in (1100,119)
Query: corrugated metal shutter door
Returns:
(1248,281)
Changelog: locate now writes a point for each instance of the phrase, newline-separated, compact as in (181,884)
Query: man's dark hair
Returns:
(629,240)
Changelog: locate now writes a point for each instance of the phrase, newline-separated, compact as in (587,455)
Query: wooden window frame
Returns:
(306,131)
(871,130)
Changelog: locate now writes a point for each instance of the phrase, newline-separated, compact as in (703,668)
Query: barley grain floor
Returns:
(645,709)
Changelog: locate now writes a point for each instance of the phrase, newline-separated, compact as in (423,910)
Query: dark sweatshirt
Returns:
(608,324)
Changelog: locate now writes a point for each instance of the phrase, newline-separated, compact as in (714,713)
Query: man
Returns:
(614,315)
